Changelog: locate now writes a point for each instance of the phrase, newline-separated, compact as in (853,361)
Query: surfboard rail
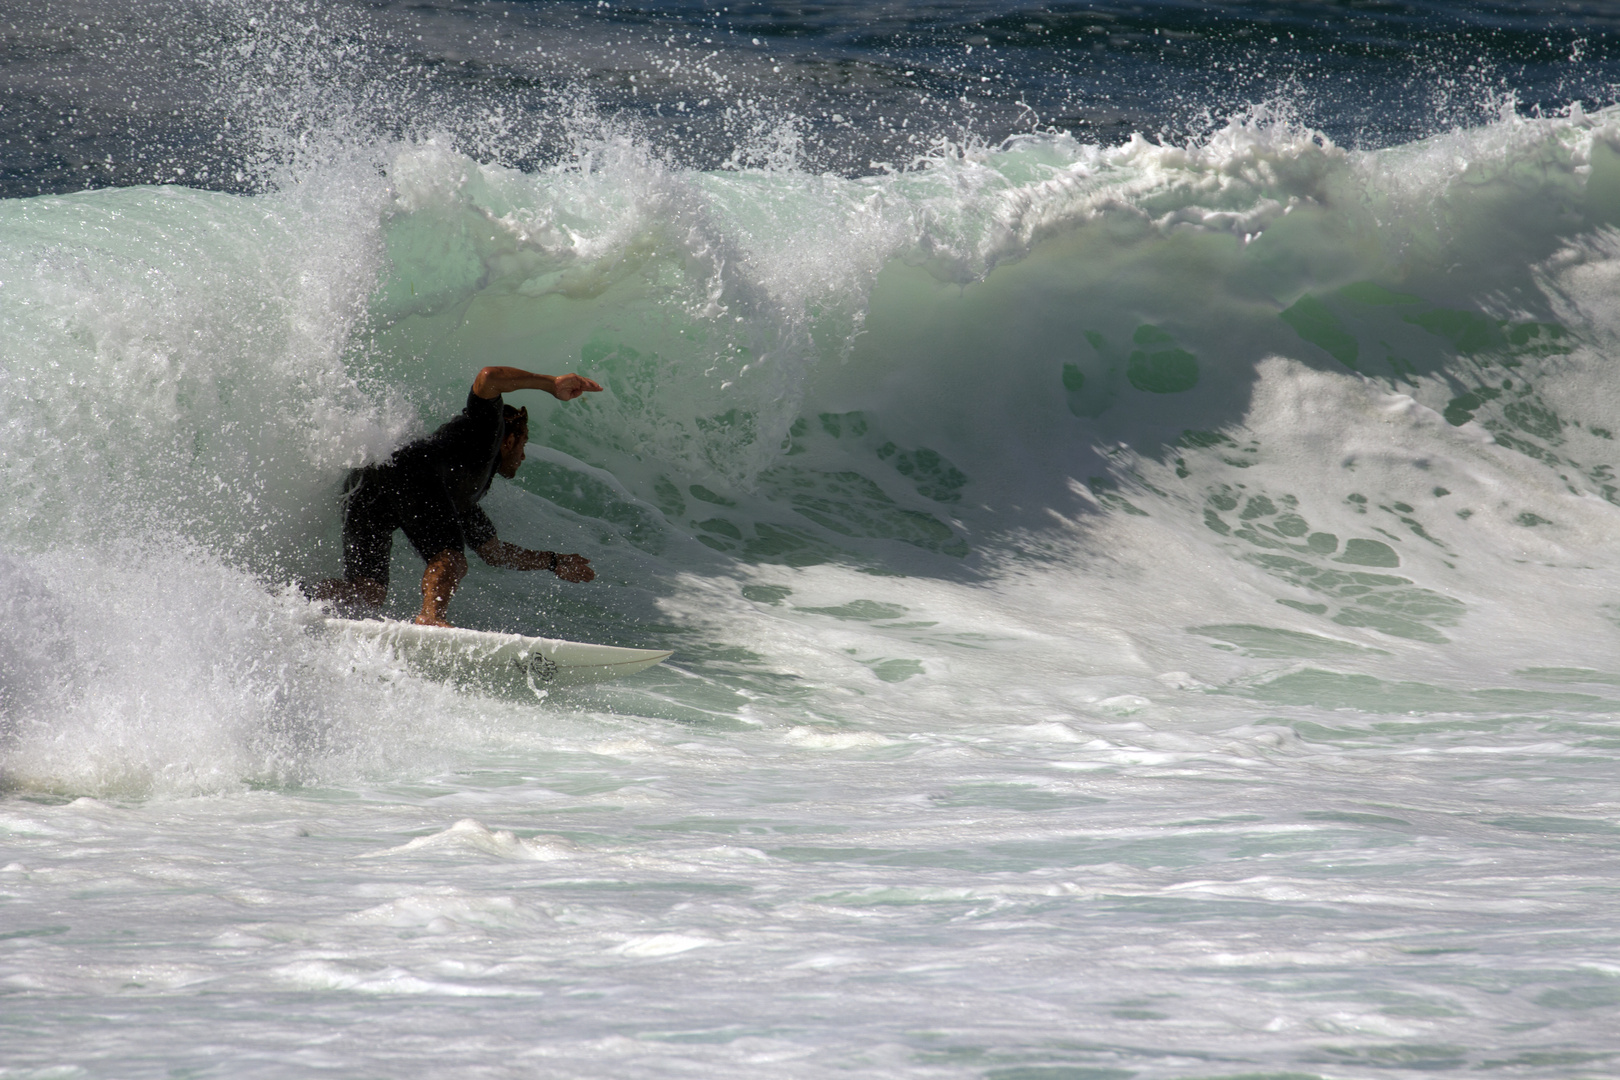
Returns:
(495,660)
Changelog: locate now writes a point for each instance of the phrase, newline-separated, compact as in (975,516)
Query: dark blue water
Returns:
(95,93)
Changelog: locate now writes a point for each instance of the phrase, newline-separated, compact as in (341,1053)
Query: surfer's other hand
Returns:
(575,568)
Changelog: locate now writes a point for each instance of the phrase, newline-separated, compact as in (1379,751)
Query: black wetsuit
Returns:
(430,488)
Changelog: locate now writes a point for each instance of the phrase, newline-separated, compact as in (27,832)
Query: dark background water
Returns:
(214,92)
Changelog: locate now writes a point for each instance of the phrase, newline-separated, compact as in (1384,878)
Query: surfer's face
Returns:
(512,453)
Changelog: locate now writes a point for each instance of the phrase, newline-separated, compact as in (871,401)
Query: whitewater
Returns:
(1144,604)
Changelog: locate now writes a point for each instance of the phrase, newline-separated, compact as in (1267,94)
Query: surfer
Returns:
(430,488)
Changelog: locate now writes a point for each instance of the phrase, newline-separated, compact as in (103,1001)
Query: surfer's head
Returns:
(514,441)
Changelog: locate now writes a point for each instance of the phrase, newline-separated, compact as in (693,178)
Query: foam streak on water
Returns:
(1141,607)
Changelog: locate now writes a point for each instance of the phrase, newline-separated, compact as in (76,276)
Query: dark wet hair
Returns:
(516,420)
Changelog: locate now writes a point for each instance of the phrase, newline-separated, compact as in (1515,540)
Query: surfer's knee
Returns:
(320,591)
(370,592)
(348,596)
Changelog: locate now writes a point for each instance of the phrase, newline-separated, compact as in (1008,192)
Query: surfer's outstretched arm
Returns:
(494,381)
(498,552)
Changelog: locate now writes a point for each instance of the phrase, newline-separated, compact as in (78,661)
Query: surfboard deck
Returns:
(499,661)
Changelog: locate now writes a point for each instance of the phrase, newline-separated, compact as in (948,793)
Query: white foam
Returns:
(470,834)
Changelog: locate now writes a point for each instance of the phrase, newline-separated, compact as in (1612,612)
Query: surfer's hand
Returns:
(575,568)
(570,386)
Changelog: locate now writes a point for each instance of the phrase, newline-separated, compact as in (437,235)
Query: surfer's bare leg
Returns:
(439,581)
(360,595)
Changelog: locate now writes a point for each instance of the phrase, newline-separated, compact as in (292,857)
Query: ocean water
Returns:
(1131,489)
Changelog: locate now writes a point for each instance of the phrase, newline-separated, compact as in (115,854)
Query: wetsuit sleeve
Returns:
(484,413)
(468,436)
(477,528)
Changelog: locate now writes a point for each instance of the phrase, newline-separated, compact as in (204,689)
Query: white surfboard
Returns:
(498,661)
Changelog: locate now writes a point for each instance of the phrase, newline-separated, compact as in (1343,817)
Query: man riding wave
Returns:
(431,488)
